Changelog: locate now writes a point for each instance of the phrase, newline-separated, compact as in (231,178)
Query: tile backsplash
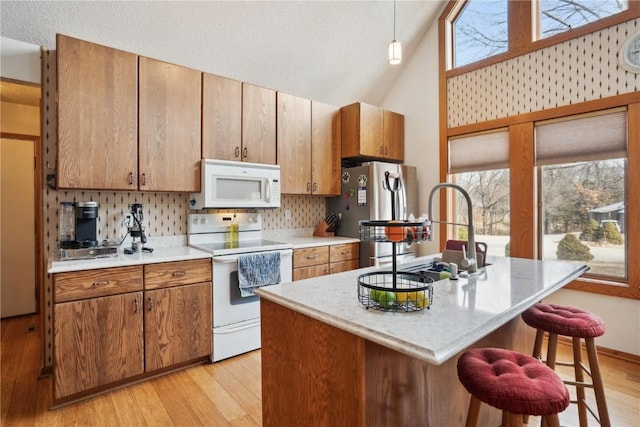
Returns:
(165,214)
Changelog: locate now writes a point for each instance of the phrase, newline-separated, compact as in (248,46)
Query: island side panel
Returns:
(312,373)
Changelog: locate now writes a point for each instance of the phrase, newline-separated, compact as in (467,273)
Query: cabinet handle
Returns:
(312,256)
(237,151)
(130,178)
(150,303)
(179,273)
(315,186)
(136,305)
(144,179)
(101,283)
(246,152)
(308,186)
(386,150)
(381,149)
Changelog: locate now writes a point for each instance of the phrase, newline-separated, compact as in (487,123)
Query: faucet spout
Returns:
(472,261)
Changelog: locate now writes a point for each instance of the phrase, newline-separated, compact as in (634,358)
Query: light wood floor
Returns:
(226,393)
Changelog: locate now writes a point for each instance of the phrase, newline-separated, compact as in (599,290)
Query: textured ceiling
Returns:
(330,51)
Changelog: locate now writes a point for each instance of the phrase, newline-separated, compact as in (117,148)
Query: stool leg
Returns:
(552,348)
(551,421)
(474,412)
(579,375)
(510,419)
(598,386)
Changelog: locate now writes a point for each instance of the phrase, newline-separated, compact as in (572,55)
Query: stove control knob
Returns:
(203,220)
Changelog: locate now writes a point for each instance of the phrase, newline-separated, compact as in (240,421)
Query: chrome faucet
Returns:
(470,263)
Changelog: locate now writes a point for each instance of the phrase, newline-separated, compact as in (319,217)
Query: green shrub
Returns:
(570,248)
(590,231)
(463,233)
(611,234)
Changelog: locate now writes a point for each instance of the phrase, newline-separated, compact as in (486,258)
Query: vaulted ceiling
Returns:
(330,51)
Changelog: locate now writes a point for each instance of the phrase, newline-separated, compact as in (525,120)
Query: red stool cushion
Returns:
(564,320)
(512,381)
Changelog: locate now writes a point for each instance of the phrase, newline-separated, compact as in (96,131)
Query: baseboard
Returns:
(616,354)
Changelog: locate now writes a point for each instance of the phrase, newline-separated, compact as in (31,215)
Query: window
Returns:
(558,16)
(583,172)
(480,30)
(479,164)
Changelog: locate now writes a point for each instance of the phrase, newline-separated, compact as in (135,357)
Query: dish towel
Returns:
(255,270)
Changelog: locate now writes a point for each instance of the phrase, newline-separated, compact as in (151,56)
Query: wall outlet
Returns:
(287,214)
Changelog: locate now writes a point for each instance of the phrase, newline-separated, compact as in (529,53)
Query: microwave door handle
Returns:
(268,189)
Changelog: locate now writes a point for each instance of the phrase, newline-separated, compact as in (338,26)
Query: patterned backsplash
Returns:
(578,70)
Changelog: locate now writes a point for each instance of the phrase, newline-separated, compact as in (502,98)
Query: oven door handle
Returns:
(228,259)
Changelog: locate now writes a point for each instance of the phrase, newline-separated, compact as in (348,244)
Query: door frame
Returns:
(37,182)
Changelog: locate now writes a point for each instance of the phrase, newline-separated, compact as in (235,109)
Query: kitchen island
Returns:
(327,360)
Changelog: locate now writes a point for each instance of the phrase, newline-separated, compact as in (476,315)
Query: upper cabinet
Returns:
(369,132)
(97,116)
(294,144)
(325,149)
(221,118)
(169,127)
(308,146)
(258,124)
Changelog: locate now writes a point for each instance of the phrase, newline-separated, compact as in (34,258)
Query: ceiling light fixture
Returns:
(395,47)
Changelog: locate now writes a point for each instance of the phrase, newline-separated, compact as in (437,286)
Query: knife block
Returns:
(321,230)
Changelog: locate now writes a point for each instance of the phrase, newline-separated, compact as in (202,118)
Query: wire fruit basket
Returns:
(400,292)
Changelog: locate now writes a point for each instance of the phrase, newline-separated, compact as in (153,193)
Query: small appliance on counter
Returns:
(78,232)
(133,222)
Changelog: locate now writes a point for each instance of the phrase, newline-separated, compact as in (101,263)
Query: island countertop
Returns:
(462,311)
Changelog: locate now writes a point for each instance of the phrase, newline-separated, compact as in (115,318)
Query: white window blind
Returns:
(582,138)
(482,151)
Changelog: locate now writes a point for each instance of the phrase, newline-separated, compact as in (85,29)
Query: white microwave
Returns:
(229,184)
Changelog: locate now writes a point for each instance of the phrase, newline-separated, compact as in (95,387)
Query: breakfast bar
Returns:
(328,360)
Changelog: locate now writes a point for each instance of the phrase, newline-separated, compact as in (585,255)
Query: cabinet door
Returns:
(221,118)
(258,124)
(96,342)
(325,149)
(305,257)
(97,116)
(309,272)
(294,143)
(362,131)
(178,325)
(393,136)
(169,120)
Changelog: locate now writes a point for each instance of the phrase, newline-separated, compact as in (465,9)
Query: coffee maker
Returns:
(78,232)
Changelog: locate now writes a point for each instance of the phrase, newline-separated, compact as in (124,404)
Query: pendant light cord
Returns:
(394,20)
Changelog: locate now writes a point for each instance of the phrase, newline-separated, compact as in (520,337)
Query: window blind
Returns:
(582,138)
(482,151)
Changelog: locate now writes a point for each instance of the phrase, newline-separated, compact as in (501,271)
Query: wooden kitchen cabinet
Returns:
(117,324)
(97,340)
(221,118)
(308,141)
(178,312)
(321,260)
(170,144)
(294,143)
(97,116)
(258,124)
(371,133)
(344,257)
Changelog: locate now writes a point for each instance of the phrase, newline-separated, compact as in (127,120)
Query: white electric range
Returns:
(236,319)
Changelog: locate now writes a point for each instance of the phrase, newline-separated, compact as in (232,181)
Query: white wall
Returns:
(415,94)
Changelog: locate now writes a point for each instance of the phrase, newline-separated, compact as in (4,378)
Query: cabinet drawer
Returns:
(177,273)
(310,256)
(96,283)
(309,272)
(339,267)
(344,252)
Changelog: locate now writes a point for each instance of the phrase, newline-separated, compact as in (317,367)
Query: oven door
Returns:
(228,306)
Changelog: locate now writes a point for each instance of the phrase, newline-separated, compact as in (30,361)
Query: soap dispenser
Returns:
(234,228)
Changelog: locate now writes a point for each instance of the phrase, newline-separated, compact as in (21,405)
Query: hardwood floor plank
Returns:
(226,393)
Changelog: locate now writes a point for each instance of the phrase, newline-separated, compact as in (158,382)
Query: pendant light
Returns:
(395,47)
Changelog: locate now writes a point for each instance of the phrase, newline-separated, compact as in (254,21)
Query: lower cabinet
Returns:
(320,260)
(120,323)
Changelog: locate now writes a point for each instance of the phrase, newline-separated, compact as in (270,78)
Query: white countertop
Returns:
(168,254)
(462,312)
(303,238)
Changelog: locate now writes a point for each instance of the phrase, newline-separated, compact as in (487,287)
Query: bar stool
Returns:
(577,324)
(516,383)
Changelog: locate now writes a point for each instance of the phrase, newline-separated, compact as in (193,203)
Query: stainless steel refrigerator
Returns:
(365,197)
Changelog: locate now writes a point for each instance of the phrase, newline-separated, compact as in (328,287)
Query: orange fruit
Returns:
(395,233)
